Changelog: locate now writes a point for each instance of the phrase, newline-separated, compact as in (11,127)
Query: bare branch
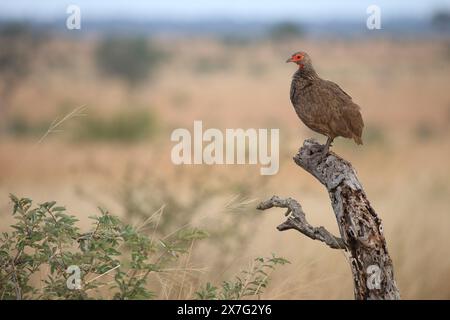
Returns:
(297,220)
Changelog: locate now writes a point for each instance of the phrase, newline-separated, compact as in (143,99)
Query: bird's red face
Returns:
(296,58)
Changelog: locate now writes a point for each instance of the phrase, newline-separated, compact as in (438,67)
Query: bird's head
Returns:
(300,58)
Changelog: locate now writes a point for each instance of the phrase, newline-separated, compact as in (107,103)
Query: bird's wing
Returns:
(337,89)
(344,117)
(349,111)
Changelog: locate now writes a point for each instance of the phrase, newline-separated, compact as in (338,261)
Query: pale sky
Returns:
(211,9)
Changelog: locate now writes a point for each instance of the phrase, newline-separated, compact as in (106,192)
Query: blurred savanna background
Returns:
(86,117)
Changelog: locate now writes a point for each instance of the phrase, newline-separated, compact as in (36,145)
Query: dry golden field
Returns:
(401,85)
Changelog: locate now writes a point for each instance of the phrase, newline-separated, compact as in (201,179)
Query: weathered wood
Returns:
(360,227)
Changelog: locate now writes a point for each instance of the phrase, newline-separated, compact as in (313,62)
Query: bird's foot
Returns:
(325,151)
(326,147)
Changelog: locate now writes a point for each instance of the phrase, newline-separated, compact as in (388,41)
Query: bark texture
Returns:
(361,230)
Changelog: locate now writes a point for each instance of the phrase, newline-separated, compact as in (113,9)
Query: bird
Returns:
(322,105)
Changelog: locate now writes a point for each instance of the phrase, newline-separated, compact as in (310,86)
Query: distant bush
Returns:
(16,53)
(18,47)
(285,30)
(124,126)
(441,20)
(19,126)
(424,131)
(235,40)
(131,59)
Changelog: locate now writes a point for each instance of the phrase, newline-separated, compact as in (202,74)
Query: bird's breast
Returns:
(300,96)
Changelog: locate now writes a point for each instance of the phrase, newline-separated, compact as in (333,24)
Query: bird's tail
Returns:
(358,140)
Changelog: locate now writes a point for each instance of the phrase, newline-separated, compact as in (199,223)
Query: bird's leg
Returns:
(327,146)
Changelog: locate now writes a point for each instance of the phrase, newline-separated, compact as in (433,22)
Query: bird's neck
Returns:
(305,73)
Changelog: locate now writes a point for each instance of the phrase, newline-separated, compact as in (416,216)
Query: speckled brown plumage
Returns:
(322,105)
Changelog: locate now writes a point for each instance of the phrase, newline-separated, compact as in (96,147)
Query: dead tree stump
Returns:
(360,227)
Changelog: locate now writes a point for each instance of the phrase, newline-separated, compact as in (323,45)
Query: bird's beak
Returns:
(289,60)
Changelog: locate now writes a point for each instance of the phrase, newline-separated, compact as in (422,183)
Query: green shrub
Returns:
(45,237)
(40,258)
